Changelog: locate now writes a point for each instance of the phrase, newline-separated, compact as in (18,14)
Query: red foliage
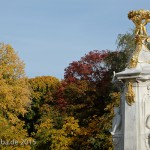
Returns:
(60,99)
(91,67)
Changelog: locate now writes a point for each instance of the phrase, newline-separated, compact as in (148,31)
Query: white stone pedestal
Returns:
(133,131)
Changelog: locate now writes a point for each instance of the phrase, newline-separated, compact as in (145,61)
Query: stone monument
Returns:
(131,123)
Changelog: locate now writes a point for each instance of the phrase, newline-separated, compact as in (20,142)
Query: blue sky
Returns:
(50,34)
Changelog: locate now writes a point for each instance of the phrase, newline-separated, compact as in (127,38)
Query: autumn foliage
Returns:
(72,114)
(90,67)
(14,98)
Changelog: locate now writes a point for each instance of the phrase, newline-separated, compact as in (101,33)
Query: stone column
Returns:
(134,130)
(131,126)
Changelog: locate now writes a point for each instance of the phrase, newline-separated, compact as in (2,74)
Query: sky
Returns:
(50,34)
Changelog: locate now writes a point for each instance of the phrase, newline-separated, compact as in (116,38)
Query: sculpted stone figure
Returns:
(116,121)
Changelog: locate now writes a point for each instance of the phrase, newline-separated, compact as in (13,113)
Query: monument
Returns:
(131,123)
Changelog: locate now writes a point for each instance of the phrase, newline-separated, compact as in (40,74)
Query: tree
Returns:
(117,61)
(94,72)
(43,95)
(14,97)
(91,69)
(126,42)
(77,113)
(52,138)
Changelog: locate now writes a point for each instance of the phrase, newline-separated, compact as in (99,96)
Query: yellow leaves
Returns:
(42,90)
(12,118)
(115,96)
(46,124)
(9,132)
(10,65)
(71,126)
(44,83)
(64,137)
(14,92)
(44,130)
(14,97)
(60,139)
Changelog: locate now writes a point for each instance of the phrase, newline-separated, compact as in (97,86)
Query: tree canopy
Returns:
(14,97)
(74,113)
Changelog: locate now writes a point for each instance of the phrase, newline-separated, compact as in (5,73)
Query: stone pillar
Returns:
(131,125)
(134,130)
